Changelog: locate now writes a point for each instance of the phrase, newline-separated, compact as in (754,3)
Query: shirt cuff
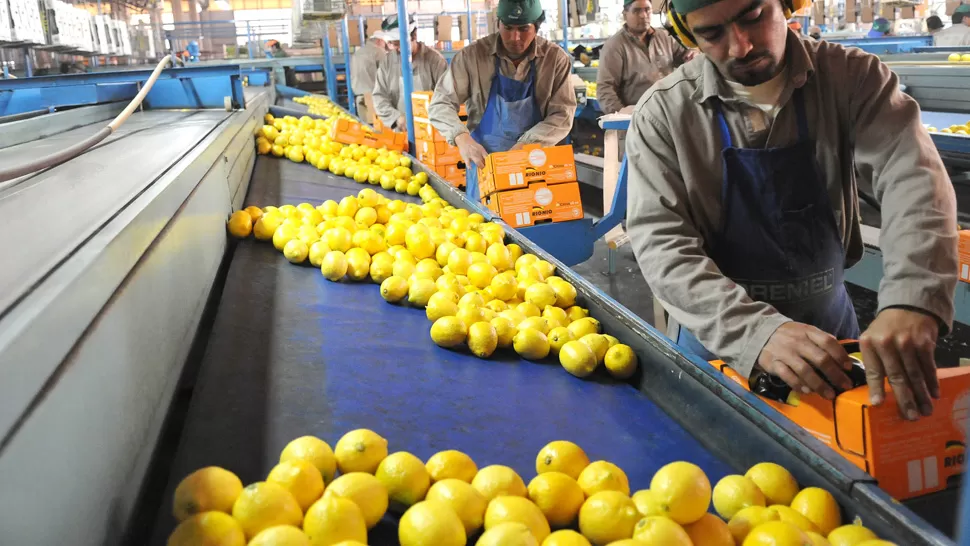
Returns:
(756,342)
(458,133)
(926,301)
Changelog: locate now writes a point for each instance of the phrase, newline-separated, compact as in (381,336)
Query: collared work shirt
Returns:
(469,80)
(427,67)
(862,125)
(629,66)
(953,35)
(363,67)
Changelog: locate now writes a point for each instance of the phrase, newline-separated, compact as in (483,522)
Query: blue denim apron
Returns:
(510,112)
(778,237)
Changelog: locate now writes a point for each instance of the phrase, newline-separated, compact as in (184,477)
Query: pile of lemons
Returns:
(953,129)
(319,105)
(958,58)
(591,90)
(449,501)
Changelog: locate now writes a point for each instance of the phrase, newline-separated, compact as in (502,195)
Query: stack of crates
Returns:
(346,131)
(431,148)
(530,186)
(25,22)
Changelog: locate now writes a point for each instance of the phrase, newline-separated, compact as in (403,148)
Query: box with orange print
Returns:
(537,204)
(532,163)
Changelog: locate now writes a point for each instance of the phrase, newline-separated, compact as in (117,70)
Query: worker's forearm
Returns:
(443,110)
(369,102)
(550,131)
(608,99)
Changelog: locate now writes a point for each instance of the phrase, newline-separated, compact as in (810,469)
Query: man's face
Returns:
(744,38)
(637,15)
(380,43)
(516,39)
(394,45)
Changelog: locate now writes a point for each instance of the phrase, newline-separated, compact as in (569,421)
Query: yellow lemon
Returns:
(262,505)
(566,537)
(315,451)
(820,507)
(495,480)
(348,206)
(710,530)
(734,492)
(299,477)
(338,238)
(508,534)
(365,490)
(334,265)
(504,286)
(459,260)
(449,331)
(482,339)
(405,477)
(266,226)
(603,476)
(451,464)
(420,291)
(684,489)
(577,358)
(282,235)
(505,509)
(429,268)
(318,250)
(295,251)
(430,523)
(333,519)
(540,295)
(620,360)
(584,326)
(467,503)
(818,540)
(565,294)
(240,224)
(778,485)
(394,289)
(504,331)
(531,344)
(850,535)
(403,268)
(562,456)
(443,303)
(575,313)
(208,528)
(535,323)
(382,268)
(660,531)
(205,490)
(360,450)
(499,256)
(879,542)
(528,310)
(281,535)
(648,504)
(598,344)
(558,496)
(480,274)
(608,516)
(558,337)
(747,519)
(776,533)
(785,513)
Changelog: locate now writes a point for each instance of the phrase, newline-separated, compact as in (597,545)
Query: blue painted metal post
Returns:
(471,24)
(345,43)
(407,75)
(328,64)
(564,16)
(360,26)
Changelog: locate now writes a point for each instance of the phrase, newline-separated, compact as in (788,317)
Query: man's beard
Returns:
(742,70)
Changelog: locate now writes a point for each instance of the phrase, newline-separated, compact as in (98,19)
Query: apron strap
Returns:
(725,132)
(800,115)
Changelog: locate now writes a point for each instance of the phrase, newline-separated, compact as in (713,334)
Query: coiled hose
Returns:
(77,149)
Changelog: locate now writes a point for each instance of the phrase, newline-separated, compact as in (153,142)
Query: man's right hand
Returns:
(796,352)
(471,151)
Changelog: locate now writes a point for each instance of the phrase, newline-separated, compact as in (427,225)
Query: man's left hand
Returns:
(899,345)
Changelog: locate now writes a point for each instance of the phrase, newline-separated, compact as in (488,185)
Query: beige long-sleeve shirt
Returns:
(953,35)
(363,67)
(469,80)
(862,125)
(629,66)
(427,66)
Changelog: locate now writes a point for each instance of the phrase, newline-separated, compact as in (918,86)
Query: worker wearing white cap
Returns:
(516,88)
(427,67)
(744,215)
(363,73)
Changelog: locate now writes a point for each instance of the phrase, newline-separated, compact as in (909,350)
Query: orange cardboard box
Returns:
(436,153)
(537,203)
(450,170)
(519,168)
(423,130)
(346,131)
(456,181)
(392,140)
(963,247)
(908,459)
(420,101)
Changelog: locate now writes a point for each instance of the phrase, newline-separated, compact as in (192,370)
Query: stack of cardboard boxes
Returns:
(26,25)
(347,131)
(533,185)
(431,148)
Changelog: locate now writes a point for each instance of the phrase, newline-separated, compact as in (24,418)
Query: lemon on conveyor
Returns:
(778,485)
(482,339)
(508,534)
(315,451)
(850,535)
(300,478)
(558,337)
(497,480)
(785,513)
(365,490)
(816,539)
(499,256)
(333,519)
(406,479)
(266,226)
(282,235)
(562,456)
(451,464)
(558,496)
(733,493)
(281,535)
(531,344)
(819,507)
(480,274)
(577,358)
(535,323)
(358,264)
(598,344)
(620,360)
(334,265)
(469,315)
(684,489)
(428,268)
(461,497)
(394,289)
(295,251)
(240,224)
(429,523)
(496,305)
(360,450)
(710,530)
(208,528)
(208,489)
(603,476)
(381,267)
(420,291)
(449,331)
(660,531)
(584,326)
(648,504)
(776,533)
(953,57)
(504,331)
(608,516)
(442,304)
(568,537)
(747,519)
(262,505)
(516,509)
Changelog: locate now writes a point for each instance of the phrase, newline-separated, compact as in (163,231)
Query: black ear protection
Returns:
(677,23)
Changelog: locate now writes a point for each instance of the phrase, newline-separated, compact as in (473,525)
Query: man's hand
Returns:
(899,345)
(402,124)
(796,352)
(471,151)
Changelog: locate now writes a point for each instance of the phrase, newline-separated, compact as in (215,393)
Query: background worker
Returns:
(427,67)
(363,73)
(957,34)
(515,86)
(880,27)
(635,58)
(933,24)
(743,211)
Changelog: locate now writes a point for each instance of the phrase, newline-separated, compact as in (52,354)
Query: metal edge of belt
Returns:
(29,130)
(62,284)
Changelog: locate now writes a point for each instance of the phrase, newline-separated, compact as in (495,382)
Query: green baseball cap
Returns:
(962,8)
(684,7)
(520,12)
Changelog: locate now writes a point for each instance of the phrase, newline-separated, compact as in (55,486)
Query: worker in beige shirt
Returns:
(427,67)
(363,73)
(515,86)
(635,58)
(743,211)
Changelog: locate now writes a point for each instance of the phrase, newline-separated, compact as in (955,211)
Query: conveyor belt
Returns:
(293,354)
(941,120)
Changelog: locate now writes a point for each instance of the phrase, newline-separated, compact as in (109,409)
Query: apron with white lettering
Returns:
(778,237)
(512,110)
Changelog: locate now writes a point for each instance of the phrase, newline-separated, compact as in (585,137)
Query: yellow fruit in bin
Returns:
(528,309)
(333,519)
(496,305)
(785,513)
(208,528)
(406,479)
(498,255)
(428,267)
(747,519)
(442,304)
(531,344)
(684,489)
(648,504)
(240,224)
(816,539)
(562,456)
(281,535)
(508,534)
(558,497)
(603,476)
(776,533)
(620,360)
(295,251)
(300,478)
(778,485)
(429,523)
(482,339)
(360,450)
(205,490)
(558,337)
(451,464)
(504,331)
(710,530)
(262,505)
(420,291)
(358,264)
(576,312)
(608,516)
(497,480)
(850,535)
(277,150)
(382,268)
(334,265)
(535,323)
(401,185)
(660,531)
(584,326)
(469,315)
(449,332)
(524,261)
(283,235)
(469,505)
(516,509)
(819,507)
(394,289)
(480,275)
(568,537)
(597,343)
(266,227)
(459,260)
(733,493)
(577,358)
(965,57)
(365,490)
(313,450)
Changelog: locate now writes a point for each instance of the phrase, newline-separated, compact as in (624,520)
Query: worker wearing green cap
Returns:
(635,58)
(957,34)
(743,209)
(516,87)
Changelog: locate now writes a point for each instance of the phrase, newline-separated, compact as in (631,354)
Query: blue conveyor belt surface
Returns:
(292,354)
